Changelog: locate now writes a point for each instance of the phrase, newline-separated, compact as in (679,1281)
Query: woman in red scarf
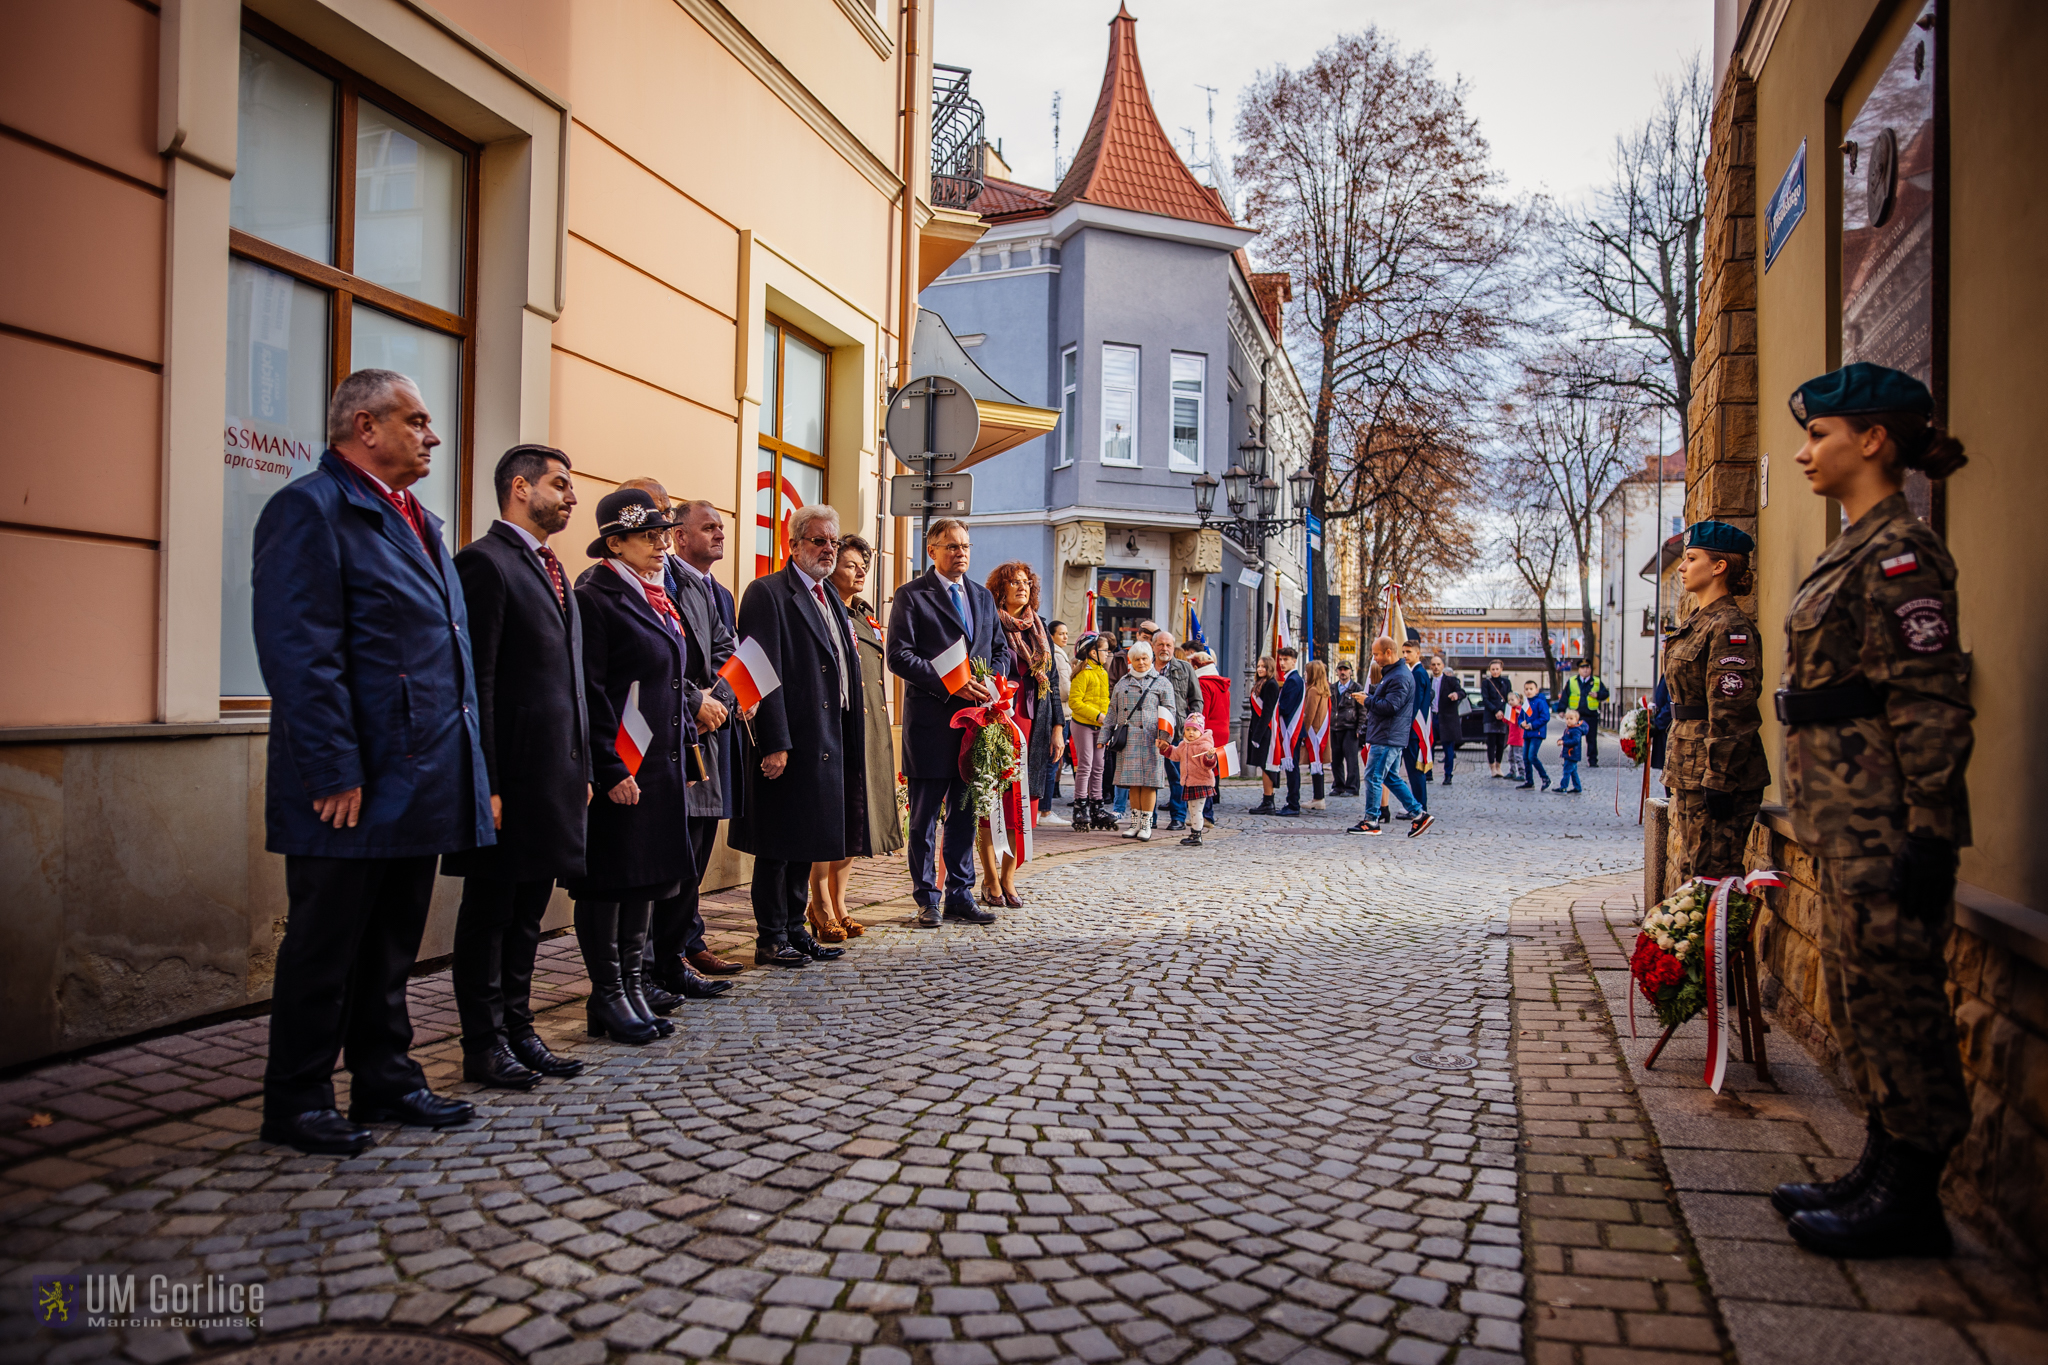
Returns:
(1035,707)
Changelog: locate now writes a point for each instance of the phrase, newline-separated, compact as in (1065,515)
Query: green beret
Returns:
(1858,389)
(1719,535)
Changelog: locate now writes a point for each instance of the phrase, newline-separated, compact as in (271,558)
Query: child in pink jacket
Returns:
(1196,754)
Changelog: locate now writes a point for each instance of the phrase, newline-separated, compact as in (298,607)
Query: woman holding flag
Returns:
(642,723)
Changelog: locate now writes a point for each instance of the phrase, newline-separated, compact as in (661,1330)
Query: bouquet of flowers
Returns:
(1670,961)
(1635,735)
(988,751)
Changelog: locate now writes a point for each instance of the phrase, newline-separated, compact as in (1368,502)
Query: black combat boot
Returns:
(1827,1194)
(1898,1213)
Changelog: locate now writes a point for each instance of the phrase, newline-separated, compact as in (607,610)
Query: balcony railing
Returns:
(958,131)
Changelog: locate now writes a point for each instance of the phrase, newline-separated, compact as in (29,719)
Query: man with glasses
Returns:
(931,613)
(803,777)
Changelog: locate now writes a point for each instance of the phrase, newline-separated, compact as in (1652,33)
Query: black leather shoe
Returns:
(1264,807)
(779,955)
(1289,811)
(969,914)
(498,1069)
(420,1109)
(659,998)
(533,1054)
(318,1132)
(697,987)
(814,950)
(1177,824)
(927,917)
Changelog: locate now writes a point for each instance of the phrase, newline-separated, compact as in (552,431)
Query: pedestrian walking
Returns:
(1389,714)
(1535,728)
(830,922)
(638,853)
(375,767)
(1196,755)
(526,644)
(803,795)
(1713,666)
(1497,699)
(1415,761)
(933,612)
(1878,735)
(1137,704)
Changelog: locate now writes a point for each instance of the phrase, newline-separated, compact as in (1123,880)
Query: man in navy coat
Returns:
(375,763)
(931,612)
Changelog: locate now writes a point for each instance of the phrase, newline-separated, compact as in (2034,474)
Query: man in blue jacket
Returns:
(376,766)
(1389,712)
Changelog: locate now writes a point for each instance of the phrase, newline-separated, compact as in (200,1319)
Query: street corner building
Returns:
(674,238)
(1864,203)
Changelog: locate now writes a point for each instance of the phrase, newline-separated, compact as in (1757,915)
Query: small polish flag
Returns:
(1165,721)
(952,666)
(751,675)
(635,734)
(1226,760)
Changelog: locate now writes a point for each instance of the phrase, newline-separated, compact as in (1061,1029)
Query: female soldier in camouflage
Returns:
(1877,732)
(1713,666)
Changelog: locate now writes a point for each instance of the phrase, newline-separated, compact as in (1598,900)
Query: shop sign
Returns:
(1521,642)
(1787,207)
(1128,591)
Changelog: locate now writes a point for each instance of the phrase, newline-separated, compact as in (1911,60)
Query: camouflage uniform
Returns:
(1879,610)
(1714,663)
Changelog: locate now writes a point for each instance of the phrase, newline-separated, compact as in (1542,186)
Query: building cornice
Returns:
(862,17)
(1080,214)
(1765,18)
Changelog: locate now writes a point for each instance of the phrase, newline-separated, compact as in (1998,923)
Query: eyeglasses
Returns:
(954,545)
(822,542)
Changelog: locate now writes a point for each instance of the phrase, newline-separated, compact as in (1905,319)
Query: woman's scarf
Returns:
(1028,642)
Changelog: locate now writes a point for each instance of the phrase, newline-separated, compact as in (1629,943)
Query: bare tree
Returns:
(1574,437)
(1370,185)
(1633,259)
(1415,523)
(1537,544)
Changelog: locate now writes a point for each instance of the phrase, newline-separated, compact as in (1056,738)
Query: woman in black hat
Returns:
(1713,665)
(633,664)
(1877,735)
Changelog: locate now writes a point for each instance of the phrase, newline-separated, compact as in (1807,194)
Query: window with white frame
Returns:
(1070,383)
(1119,404)
(1189,380)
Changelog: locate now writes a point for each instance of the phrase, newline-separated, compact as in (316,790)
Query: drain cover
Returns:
(362,1348)
(1444,1061)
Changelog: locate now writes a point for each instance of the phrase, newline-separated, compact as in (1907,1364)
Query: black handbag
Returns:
(1120,736)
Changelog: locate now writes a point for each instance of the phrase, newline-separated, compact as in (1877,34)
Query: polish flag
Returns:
(1164,721)
(750,674)
(952,666)
(635,734)
(1226,761)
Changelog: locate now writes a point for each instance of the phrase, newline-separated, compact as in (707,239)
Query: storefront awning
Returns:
(1007,421)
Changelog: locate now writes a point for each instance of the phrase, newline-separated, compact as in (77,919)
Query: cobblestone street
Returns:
(1182,1107)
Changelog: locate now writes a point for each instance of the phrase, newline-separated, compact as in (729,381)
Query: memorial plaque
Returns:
(1888,219)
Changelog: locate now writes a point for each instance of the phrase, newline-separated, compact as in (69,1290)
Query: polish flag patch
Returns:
(952,666)
(635,736)
(1738,639)
(1899,564)
(750,674)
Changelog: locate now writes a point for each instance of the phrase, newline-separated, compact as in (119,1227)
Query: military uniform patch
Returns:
(1923,626)
(1734,659)
(1730,684)
(1899,564)
(1738,639)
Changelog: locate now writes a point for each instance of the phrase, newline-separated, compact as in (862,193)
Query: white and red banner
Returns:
(952,666)
(635,734)
(1227,764)
(1716,966)
(1318,743)
(750,674)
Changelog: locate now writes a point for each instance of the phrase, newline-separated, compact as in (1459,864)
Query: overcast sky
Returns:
(1550,81)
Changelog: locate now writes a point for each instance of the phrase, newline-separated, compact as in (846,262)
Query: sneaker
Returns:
(1524,786)
(1362,827)
(1288,811)
(1422,824)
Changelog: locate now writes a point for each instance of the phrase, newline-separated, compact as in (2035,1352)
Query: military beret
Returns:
(1857,389)
(1719,535)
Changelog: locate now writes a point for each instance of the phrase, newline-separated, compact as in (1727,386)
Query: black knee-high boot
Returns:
(634,919)
(606,1013)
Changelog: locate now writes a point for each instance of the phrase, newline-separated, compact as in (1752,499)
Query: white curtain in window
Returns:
(1189,374)
(1119,405)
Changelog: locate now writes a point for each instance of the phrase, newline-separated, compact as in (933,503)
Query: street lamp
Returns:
(1269,498)
(1237,483)
(1205,493)
(1300,483)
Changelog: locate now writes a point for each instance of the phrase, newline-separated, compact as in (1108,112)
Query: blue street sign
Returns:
(1314,524)
(1787,207)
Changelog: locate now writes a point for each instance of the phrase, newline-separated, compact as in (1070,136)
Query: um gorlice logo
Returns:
(77,1301)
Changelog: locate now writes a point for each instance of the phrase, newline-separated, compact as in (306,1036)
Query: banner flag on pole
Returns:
(751,675)
(1195,635)
(635,734)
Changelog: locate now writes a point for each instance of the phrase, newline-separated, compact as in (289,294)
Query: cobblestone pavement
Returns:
(1171,1110)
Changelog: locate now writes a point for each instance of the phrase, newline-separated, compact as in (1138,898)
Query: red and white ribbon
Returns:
(1716,948)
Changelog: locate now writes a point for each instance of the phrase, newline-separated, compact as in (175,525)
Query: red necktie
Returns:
(554,568)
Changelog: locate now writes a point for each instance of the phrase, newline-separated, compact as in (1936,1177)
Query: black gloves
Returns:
(1924,877)
(1721,805)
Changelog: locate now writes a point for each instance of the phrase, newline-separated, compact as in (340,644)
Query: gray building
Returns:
(1123,300)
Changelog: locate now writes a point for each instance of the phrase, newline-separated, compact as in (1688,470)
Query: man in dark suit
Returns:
(1450,719)
(527,642)
(376,767)
(1414,759)
(930,613)
(804,795)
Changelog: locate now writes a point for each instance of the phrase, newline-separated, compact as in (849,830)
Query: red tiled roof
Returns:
(1126,160)
(1002,200)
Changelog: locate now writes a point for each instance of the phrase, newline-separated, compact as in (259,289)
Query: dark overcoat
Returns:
(640,847)
(363,640)
(922,624)
(816,811)
(712,641)
(528,651)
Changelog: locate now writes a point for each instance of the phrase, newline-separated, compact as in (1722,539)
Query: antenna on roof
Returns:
(1059,165)
(1219,171)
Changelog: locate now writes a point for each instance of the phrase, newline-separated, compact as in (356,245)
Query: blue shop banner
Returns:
(1787,207)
